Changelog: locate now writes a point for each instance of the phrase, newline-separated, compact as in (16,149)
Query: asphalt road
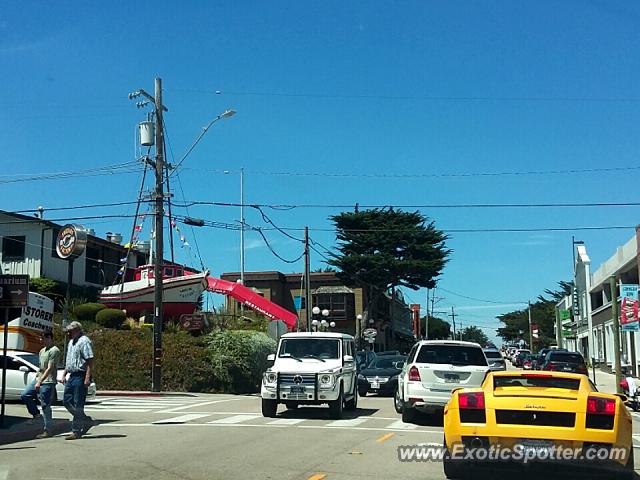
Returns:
(226,437)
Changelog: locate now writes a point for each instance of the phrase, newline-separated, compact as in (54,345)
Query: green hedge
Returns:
(87,311)
(229,362)
(111,318)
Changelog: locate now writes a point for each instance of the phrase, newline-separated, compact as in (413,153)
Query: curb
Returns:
(125,393)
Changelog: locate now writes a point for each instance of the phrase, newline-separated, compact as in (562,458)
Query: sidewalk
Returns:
(605,382)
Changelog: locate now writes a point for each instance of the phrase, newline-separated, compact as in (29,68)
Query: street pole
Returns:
(530,330)
(156,374)
(4,363)
(426,319)
(242,235)
(307,279)
(453,319)
(616,330)
(67,304)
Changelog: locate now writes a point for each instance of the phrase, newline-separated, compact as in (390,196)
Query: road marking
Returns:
(347,423)
(400,425)
(266,425)
(94,409)
(193,405)
(287,421)
(235,419)
(385,437)
(182,419)
(318,476)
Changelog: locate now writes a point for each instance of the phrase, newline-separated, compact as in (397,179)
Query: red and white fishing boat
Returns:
(181,289)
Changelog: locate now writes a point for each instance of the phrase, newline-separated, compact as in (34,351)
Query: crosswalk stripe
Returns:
(399,424)
(235,419)
(182,418)
(347,423)
(193,405)
(287,421)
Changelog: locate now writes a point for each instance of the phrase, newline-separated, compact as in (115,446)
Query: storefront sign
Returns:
(71,241)
(629,307)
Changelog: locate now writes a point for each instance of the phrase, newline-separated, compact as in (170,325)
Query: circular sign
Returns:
(370,332)
(71,241)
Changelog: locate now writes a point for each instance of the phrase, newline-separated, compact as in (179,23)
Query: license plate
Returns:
(567,369)
(536,448)
(449,378)
(297,389)
(375,385)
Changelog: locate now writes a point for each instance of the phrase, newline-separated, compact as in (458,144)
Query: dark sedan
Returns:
(572,362)
(381,375)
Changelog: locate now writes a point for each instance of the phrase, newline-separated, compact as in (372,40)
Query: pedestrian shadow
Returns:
(435,419)
(102,437)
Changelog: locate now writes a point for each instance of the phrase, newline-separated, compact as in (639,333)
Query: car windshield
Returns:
(452,355)
(322,348)
(386,362)
(492,354)
(534,380)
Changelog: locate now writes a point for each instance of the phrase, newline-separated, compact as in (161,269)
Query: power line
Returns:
(439,98)
(126,167)
(476,299)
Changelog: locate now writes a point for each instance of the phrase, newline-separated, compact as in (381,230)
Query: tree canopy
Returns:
(438,329)
(474,334)
(389,248)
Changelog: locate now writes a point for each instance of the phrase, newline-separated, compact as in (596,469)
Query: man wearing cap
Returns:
(79,366)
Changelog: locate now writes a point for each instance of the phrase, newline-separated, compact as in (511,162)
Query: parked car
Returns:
(381,375)
(434,368)
(311,369)
(560,361)
(530,362)
(22,368)
(495,359)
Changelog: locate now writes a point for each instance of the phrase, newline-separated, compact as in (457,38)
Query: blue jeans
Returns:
(75,394)
(28,397)
(46,399)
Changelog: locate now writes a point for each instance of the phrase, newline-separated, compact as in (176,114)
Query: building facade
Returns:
(346,305)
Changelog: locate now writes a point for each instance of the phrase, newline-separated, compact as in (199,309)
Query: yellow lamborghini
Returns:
(529,420)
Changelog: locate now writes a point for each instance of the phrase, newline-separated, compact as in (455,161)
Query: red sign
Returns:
(415,307)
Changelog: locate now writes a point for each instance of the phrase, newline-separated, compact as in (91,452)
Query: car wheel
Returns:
(630,466)
(291,406)
(408,414)
(336,406)
(397,402)
(362,392)
(353,403)
(453,469)
(269,408)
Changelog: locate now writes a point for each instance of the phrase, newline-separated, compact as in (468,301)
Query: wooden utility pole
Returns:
(453,319)
(156,374)
(530,330)
(307,280)
(616,330)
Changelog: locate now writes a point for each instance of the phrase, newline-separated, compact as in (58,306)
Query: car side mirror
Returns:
(399,365)
(271,357)
(348,359)
(24,369)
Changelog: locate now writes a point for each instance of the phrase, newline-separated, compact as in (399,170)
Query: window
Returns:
(94,272)
(451,355)
(322,348)
(12,364)
(340,305)
(299,302)
(13,248)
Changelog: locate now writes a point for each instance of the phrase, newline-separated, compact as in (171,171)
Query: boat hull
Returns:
(179,296)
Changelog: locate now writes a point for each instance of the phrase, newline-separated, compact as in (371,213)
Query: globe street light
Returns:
(332,324)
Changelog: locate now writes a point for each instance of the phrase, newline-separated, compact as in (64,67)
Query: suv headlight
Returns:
(326,380)
(270,378)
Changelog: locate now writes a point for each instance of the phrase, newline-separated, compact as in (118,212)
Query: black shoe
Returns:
(88,423)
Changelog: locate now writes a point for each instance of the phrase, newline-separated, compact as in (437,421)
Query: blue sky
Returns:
(400,98)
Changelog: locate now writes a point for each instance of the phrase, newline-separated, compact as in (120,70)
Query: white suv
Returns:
(435,368)
(311,368)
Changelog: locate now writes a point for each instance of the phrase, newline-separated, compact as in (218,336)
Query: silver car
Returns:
(495,359)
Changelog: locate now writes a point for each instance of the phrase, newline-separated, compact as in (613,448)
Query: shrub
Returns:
(238,359)
(123,361)
(111,318)
(88,311)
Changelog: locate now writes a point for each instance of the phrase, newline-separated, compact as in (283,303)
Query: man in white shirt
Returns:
(79,366)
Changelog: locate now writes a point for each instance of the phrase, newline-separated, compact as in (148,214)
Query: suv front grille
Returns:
(308,379)
(525,417)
